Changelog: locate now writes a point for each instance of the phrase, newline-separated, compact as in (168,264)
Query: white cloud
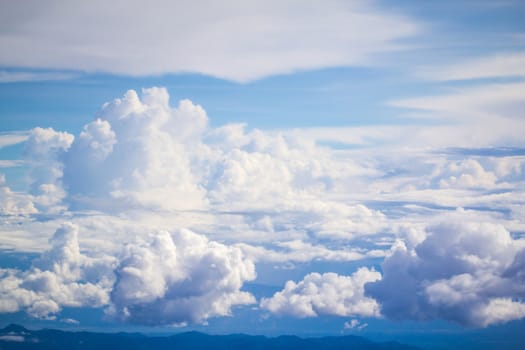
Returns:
(297,200)
(12,203)
(501,65)
(14,338)
(12,138)
(467,173)
(44,150)
(355,324)
(483,115)
(168,279)
(143,154)
(24,76)
(226,39)
(179,278)
(138,153)
(11,163)
(62,276)
(463,271)
(326,294)
(299,251)
(481,101)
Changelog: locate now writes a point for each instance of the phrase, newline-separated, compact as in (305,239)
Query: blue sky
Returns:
(271,167)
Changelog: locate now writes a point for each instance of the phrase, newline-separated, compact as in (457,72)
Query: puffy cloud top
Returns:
(170,279)
(326,294)
(464,272)
(179,278)
(136,152)
(62,276)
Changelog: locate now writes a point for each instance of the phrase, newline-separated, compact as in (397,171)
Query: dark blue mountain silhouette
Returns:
(17,337)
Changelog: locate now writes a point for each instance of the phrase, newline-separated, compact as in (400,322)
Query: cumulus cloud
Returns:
(142,153)
(62,276)
(44,150)
(179,278)
(12,203)
(300,251)
(326,294)
(468,173)
(464,272)
(138,153)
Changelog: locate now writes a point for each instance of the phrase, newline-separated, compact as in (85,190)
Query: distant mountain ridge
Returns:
(18,337)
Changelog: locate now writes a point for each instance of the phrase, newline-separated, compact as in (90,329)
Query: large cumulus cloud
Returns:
(138,152)
(179,278)
(168,279)
(142,153)
(170,37)
(470,273)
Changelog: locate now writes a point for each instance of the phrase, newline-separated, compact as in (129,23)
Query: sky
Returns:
(266,167)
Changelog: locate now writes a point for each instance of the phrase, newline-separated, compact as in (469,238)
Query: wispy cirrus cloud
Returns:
(502,65)
(12,138)
(226,39)
(28,76)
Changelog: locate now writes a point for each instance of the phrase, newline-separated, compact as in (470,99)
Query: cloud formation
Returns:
(12,203)
(61,277)
(469,273)
(164,167)
(170,279)
(226,40)
(509,64)
(326,294)
(138,153)
(179,278)
(44,150)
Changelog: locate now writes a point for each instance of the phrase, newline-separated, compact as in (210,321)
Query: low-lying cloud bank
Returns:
(168,279)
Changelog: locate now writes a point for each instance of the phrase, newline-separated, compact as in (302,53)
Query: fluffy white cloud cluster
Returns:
(326,294)
(44,150)
(138,153)
(169,279)
(62,276)
(179,278)
(141,153)
(468,173)
(471,273)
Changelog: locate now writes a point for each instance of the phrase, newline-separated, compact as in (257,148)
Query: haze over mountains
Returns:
(18,337)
